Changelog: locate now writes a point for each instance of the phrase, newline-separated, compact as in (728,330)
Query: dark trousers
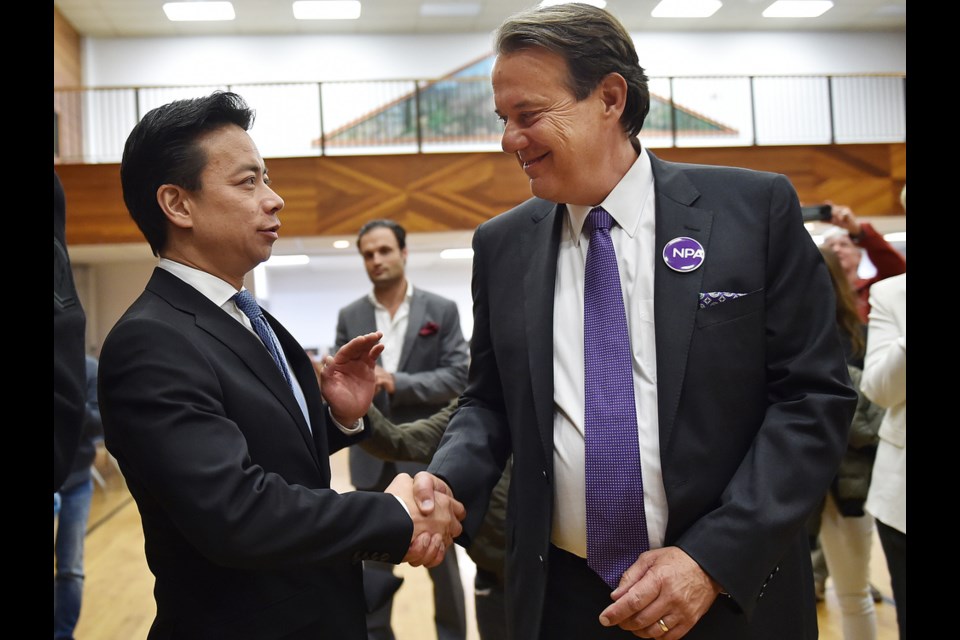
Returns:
(894,545)
(575,597)
(450,613)
(490,604)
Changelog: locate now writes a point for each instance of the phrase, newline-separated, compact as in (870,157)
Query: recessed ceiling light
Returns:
(198,11)
(600,4)
(456,254)
(686,8)
(449,9)
(341,244)
(797,8)
(287,261)
(326,9)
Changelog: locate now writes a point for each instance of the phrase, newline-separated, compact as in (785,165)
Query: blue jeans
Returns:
(74,509)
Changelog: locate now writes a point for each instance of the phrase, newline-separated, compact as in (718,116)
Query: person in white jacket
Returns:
(885,382)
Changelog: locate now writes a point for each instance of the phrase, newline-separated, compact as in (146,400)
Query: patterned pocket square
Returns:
(716,297)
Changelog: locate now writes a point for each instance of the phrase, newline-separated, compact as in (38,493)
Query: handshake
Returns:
(436,516)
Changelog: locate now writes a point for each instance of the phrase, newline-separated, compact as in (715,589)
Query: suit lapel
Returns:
(675,294)
(540,243)
(307,377)
(247,346)
(418,314)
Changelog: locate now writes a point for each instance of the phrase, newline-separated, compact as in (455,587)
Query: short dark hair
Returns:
(162,149)
(593,43)
(398,231)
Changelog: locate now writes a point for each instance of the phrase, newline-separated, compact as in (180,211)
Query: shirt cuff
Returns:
(352,430)
(404,505)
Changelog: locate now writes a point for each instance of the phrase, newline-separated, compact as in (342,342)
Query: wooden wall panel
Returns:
(458,191)
(67,73)
(867,177)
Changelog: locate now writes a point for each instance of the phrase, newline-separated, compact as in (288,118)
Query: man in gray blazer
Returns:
(423,366)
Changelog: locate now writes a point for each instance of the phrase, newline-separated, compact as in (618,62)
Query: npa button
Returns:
(683,254)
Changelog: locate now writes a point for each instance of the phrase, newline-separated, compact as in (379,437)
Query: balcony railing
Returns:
(457,114)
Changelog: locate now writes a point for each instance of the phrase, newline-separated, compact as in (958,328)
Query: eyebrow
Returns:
(523,104)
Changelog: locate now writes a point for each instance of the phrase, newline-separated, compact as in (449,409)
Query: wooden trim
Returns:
(457,191)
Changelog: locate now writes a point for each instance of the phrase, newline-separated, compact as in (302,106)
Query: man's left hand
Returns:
(663,585)
(347,379)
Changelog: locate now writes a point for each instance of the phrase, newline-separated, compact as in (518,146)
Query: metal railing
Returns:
(457,114)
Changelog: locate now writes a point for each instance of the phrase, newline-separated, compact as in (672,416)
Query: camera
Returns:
(816,213)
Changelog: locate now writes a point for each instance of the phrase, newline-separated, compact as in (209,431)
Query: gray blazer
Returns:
(432,369)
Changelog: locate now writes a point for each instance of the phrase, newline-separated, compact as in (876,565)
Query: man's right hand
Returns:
(436,516)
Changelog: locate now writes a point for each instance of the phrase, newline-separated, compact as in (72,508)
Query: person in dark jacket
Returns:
(69,324)
(71,509)
(416,442)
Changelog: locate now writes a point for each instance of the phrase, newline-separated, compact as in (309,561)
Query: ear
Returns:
(175,202)
(613,94)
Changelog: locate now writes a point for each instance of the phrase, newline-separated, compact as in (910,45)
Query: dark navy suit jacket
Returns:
(242,531)
(754,397)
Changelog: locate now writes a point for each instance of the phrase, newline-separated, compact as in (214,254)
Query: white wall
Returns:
(306,58)
(307,299)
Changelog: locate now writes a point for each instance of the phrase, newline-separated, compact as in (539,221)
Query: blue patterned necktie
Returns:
(246,303)
(616,523)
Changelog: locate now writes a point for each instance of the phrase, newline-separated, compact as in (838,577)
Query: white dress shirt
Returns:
(394,329)
(221,294)
(631,204)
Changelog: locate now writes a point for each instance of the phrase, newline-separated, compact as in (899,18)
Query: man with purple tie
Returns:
(675,405)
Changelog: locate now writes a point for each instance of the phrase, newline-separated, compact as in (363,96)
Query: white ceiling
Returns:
(145,18)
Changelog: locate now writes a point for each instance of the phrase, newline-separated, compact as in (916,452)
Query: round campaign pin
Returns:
(683,254)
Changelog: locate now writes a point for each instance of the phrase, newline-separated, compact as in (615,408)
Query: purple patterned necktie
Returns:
(616,523)
(248,305)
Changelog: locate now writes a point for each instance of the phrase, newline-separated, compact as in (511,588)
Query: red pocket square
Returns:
(429,329)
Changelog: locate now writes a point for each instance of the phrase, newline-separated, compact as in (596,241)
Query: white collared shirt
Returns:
(394,329)
(221,294)
(631,204)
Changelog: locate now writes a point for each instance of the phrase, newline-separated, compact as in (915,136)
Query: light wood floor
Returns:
(118,600)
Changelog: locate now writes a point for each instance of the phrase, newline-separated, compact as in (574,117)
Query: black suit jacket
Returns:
(69,368)
(243,533)
(753,395)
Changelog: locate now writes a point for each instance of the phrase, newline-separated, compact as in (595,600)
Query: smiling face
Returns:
(571,151)
(233,218)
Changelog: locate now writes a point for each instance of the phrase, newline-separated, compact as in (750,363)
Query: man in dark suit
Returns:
(69,368)
(423,366)
(734,369)
(215,416)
